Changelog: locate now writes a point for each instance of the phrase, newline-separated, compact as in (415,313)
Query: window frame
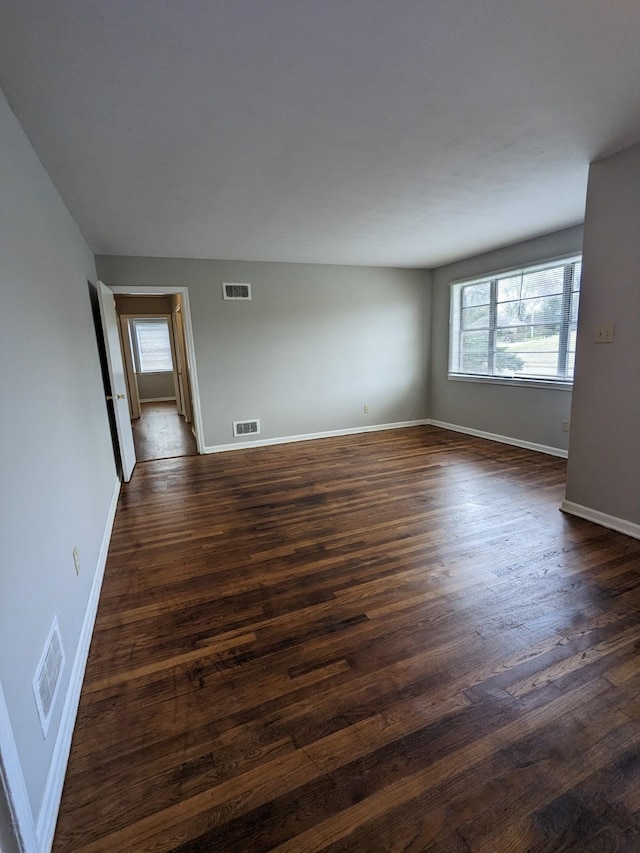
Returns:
(456,287)
(133,337)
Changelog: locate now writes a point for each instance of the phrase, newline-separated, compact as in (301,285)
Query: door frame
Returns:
(182,365)
(156,290)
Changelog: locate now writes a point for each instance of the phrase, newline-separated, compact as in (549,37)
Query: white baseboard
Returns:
(13,779)
(503,439)
(48,816)
(157,400)
(621,525)
(309,436)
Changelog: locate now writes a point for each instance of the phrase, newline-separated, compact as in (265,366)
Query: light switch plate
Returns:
(604,333)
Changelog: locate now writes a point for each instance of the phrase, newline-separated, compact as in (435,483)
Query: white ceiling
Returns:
(381,132)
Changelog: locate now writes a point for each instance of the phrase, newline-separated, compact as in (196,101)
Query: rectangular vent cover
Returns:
(47,678)
(246,427)
(231,290)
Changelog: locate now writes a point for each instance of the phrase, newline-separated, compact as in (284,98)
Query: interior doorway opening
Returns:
(159,366)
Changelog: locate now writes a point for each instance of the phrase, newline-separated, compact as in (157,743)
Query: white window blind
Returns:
(519,324)
(151,345)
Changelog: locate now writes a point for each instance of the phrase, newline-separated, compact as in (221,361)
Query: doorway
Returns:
(157,349)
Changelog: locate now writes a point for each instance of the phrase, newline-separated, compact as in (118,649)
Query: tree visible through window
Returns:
(518,324)
(151,345)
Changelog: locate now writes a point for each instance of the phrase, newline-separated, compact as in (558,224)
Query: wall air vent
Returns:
(47,678)
(246,428)
(231,290)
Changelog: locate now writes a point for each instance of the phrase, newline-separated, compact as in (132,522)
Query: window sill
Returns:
(520,383)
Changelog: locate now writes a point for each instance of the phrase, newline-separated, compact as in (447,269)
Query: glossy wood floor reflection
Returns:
(160,433)
(384,642)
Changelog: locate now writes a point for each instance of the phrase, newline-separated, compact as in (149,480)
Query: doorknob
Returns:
(108,397)
(120,396)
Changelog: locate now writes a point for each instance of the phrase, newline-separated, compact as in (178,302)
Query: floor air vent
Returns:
(232,290)
(246,427)
(47,678)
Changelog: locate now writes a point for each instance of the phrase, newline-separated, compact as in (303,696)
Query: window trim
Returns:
(552,384)
(490,277)
(131,320)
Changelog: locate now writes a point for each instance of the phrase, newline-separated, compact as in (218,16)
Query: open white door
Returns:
(130,371)
(118,380)
(183,399)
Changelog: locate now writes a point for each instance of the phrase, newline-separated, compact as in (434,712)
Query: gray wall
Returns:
(152,386)
(56,457)
(315,344)
(604,462)
(141,305)
(528,414)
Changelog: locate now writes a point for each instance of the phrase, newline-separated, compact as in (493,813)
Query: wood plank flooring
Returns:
(160,433)
(385,642)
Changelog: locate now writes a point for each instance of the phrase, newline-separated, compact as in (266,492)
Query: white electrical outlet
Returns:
(566,426)
(76,559)
(366,409)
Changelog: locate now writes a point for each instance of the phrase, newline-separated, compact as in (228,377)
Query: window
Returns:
(151,345)
(519,324)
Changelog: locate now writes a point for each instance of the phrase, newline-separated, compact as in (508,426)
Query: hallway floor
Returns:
(161,433)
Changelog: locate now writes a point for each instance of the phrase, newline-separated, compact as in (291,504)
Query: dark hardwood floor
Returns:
(160,433)
(384,642)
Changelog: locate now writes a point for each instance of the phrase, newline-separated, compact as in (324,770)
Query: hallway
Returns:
(161,433)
